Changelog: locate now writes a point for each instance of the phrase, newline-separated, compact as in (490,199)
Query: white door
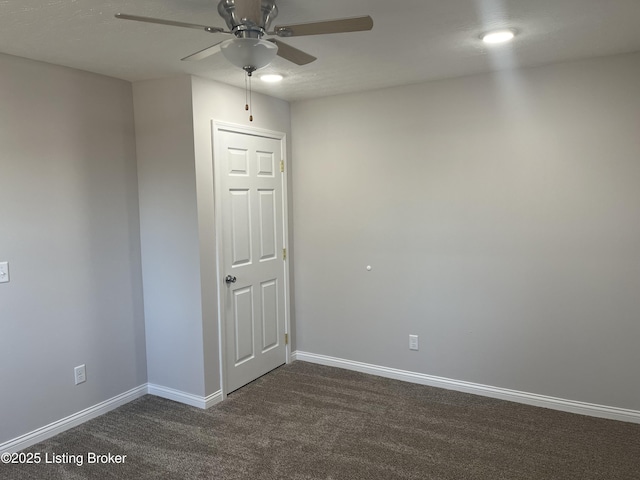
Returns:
(250,182)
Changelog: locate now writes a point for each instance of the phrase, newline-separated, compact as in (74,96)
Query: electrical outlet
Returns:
(413,342)
(4,272)
(80,374)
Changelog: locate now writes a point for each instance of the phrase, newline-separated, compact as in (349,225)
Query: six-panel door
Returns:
(253,242)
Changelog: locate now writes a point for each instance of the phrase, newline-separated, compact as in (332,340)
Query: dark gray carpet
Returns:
(305,421)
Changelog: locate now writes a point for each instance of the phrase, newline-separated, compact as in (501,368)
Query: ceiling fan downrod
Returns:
(248,18)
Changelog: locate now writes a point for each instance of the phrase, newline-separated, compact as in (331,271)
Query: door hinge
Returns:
(282,166)
(284,253)
(286,339)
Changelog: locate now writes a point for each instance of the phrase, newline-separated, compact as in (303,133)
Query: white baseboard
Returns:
(59,426)
(213,399)
(101,408)
(572,406)
(71,421)
(186,398)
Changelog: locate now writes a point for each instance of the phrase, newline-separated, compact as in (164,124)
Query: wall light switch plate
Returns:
(4,272)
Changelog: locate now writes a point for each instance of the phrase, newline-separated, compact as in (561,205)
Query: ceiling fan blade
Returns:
(293,54)
(160,21)
(356,24)
(204,53)
(249,9)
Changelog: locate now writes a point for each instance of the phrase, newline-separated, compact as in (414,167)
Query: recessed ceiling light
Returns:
(271,78)
(498,36)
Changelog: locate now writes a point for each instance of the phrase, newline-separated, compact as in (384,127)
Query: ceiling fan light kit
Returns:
(248,21)
(249,54)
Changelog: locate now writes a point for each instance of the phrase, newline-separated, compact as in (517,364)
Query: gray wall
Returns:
(175,169)
(501,216)
(69,228)
(169,234)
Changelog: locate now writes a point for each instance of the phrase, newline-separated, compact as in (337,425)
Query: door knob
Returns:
(230,279)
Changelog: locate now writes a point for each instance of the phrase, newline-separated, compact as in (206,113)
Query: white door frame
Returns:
(216,127)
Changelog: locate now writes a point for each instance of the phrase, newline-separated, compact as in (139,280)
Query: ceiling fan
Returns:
(250,20)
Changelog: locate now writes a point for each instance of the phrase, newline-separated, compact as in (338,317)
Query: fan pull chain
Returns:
(250,101)
(247,95)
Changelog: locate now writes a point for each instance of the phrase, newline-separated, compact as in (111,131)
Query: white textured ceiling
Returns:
(412,40)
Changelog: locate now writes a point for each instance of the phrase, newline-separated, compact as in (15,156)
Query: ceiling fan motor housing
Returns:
(237,14)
